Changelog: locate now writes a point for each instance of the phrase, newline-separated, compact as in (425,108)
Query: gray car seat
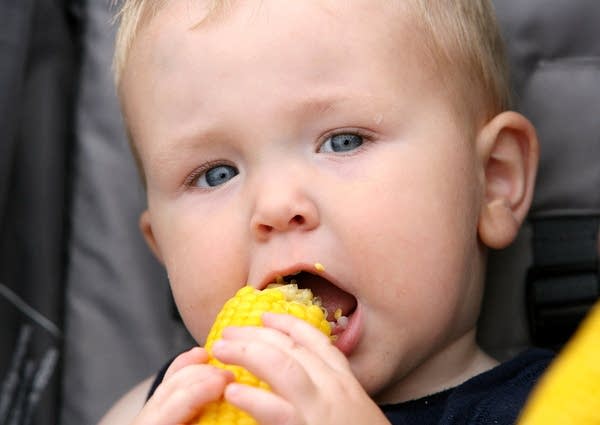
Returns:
(119,325)
(539,288)
(37,71)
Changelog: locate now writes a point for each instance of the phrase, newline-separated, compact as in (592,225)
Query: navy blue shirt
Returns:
(494,397)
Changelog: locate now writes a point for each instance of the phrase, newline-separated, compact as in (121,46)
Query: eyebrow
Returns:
(311,106)
(317,105)
(305,106)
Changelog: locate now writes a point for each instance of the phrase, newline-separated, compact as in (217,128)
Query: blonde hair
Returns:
(466,45)
(132,16)
(462,39)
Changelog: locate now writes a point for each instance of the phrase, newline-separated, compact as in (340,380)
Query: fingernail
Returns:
(219,345)
(229,375)
(232,390)
(267,315)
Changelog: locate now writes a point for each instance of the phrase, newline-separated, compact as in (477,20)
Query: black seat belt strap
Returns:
(564,280)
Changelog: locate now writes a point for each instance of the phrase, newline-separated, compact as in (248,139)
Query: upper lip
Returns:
(272,276)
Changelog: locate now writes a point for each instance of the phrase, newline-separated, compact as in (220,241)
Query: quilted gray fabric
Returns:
(554,48)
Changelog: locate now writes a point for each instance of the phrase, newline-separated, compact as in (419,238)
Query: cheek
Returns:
(416,209)
(416,237)
(202,273)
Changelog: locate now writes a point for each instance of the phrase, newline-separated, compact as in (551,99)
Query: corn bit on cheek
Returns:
(246,309)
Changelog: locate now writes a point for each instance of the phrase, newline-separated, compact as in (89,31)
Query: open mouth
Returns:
(339,304)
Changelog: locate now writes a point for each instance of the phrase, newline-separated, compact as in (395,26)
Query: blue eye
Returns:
(216,176)
(343,142)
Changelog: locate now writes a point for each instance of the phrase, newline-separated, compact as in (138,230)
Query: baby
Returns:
(372,136)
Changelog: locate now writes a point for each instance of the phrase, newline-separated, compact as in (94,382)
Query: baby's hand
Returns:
(311,380)
(187,386)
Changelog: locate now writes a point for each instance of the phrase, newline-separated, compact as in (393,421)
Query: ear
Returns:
(145,224)
(508,147)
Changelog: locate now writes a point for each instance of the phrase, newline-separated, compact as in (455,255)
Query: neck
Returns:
(457,362)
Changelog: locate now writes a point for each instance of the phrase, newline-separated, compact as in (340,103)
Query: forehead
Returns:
(241,30)
(269,47)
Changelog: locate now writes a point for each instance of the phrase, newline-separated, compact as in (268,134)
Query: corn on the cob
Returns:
(569,393)
(246,309)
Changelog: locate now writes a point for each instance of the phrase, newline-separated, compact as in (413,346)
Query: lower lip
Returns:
(347,340)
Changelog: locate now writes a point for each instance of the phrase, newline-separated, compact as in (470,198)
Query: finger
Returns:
(183,397)
(252,333)
(296,332)
(189,376)
(196,355)
(316,362)
(265,407)
(279,368)
(308,336)
(314,366)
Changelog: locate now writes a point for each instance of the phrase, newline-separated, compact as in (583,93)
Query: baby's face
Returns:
(288,133)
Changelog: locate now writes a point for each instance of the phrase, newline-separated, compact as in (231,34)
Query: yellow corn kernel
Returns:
(246,309)
(337,314)
(319,267)
(569,392)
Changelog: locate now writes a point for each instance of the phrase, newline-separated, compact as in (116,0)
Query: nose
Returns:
(283,209)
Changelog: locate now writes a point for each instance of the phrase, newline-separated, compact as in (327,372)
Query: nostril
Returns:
(298,219)
(265,228)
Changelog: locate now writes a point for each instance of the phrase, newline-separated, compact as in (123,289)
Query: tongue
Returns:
(332,297)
